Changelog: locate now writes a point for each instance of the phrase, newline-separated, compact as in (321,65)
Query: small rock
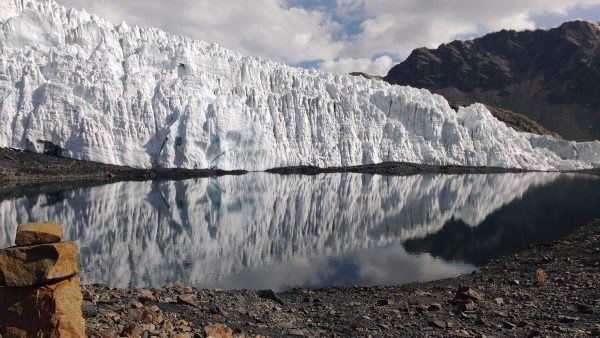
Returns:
(584,308)
(509,266)
(567,319)
(183,335)
(515,282)
(35,265)
(218,331)
(89,310)
(435,307)
(466,293)
(271,295)
(534,334)
(215,310)
(38,233)
(540,275)
(499,301)
(440,324)
(187,299)
(146,296)
(385,302)
(131,330)
(468,306)
(468,314)
(296,332)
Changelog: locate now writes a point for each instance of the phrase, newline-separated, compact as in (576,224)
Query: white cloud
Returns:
(377,66)
(399,26)
(275,29)
(259,27)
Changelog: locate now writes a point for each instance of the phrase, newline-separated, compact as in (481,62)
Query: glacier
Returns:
(205,232)
(76,85)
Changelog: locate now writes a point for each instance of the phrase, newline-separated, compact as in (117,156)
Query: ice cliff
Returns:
(76,85)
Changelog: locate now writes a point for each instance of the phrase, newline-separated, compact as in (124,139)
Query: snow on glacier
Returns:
(73,83)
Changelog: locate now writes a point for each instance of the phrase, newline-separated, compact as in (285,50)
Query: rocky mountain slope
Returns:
(73,84)
(551,76)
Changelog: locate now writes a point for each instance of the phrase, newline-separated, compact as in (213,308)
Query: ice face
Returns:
(74,84)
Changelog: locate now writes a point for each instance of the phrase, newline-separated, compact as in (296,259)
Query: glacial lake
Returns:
(265,231)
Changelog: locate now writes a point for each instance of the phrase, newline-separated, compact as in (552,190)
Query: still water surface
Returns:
(261,231)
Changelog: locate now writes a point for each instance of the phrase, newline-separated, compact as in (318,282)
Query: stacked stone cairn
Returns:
(40,293)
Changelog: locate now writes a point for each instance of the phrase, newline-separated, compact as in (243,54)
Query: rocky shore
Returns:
(548,290)
(22,171)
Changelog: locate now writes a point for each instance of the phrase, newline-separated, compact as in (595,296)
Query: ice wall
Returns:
(74,84)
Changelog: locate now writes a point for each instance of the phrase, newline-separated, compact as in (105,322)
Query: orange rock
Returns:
(38,233)
(218,331)
(40,264)
(44,311)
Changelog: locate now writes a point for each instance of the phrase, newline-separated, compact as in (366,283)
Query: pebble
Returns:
(567,319)
(89,310)
(189,300)
(440,324)
(296,332)
(584,308)
(435,307)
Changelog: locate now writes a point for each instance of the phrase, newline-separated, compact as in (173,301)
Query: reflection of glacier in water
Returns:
(267,231)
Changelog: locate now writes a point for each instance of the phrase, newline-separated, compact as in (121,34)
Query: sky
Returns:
(338,35)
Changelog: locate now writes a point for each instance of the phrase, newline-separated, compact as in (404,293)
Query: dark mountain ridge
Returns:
(550,76)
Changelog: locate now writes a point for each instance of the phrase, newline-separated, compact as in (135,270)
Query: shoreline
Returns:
(23,169)
(550,289)
(23,172)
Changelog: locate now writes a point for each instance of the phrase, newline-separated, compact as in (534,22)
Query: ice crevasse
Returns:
(76,85)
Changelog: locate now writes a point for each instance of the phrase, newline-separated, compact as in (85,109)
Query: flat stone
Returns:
(42,311)
(89,310)
(38,233)
(435,307)
(39,264)
(189,300)
(466,293)
(440,324)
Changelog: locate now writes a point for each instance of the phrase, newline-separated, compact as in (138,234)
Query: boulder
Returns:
(52,310)
(38,233)
(36,265)
(218,331)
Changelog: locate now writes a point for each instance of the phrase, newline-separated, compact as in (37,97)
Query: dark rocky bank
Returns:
(548,290)
(550,76)
(22,171)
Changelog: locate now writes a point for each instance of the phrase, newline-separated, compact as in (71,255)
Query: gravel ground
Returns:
(548,290)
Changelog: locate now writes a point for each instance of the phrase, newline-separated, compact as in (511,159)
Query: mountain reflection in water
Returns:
(263,231)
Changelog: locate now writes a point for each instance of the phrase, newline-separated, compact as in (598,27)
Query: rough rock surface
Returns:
(43,311)
(75,85)
(36,265)
(552,76)
(38,233)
